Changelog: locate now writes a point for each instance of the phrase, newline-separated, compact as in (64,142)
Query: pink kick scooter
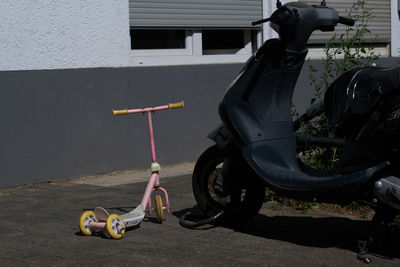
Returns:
(114,224)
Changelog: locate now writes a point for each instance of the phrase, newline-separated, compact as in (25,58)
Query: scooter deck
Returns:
(134,217)
(130,219)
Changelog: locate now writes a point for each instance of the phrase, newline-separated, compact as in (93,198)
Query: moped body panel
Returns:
(256,109)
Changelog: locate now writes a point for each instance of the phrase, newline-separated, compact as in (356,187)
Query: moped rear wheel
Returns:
(238,193)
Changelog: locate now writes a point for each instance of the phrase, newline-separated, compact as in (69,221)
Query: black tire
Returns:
(240,200)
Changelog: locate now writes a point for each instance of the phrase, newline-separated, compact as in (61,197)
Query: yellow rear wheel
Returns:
(84,222)
(115,226)
(159,209)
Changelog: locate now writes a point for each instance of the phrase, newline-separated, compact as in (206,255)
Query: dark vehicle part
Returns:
(258,139)
(388,191)
(307,140)
(352,99)
(312,112)
(191,224)
(220,185)
(382,129)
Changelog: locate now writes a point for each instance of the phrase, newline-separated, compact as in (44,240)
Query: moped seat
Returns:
(352,97)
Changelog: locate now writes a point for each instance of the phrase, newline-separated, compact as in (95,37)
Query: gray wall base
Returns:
(58,124)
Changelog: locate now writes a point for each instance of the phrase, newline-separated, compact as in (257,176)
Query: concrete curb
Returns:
(134,176)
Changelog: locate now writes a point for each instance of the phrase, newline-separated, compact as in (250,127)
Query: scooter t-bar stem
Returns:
(151,135)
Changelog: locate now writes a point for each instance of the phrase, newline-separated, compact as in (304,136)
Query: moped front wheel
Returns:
(236,192)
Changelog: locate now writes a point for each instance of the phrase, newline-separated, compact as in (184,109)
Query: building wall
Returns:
(57,124)
(51,34)
(63,67)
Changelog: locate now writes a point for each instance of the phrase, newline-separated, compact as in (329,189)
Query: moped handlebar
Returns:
(283,16)
(346,21)
(260,21)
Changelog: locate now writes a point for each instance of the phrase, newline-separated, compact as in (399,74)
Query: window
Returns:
(160,42)
(158,39)
(193,32)
(223,39)
(192,46)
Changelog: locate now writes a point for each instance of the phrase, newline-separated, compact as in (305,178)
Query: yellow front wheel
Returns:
(159,209)
(84,222)
(115,226)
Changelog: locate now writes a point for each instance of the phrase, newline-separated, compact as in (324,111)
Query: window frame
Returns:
(167,52)
(194,53)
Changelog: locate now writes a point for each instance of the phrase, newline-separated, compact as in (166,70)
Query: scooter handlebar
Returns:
(120,112)
(346,21)
(150,109)
(176,105)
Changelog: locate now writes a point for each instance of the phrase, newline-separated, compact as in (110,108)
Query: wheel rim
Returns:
(240,195)
(115,226)
(84,222)
(215,188)
(227,195)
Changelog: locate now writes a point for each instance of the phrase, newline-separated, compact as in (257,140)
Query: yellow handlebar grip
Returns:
(176,105)
(120,112)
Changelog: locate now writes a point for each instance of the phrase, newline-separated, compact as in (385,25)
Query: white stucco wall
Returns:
(395,30)
(58,34)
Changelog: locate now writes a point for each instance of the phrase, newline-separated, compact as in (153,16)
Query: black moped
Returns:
(257,144)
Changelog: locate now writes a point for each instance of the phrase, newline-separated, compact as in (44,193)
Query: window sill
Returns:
(186,60)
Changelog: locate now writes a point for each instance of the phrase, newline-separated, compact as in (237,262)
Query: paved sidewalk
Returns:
(38,227)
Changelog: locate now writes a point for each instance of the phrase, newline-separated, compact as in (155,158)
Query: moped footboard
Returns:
(275,161)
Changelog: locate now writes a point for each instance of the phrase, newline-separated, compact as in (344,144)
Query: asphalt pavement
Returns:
(39,227)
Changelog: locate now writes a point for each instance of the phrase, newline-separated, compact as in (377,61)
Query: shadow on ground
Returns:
(321,232)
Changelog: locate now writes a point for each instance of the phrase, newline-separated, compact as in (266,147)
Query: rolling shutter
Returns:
(194,13)
(379,25)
